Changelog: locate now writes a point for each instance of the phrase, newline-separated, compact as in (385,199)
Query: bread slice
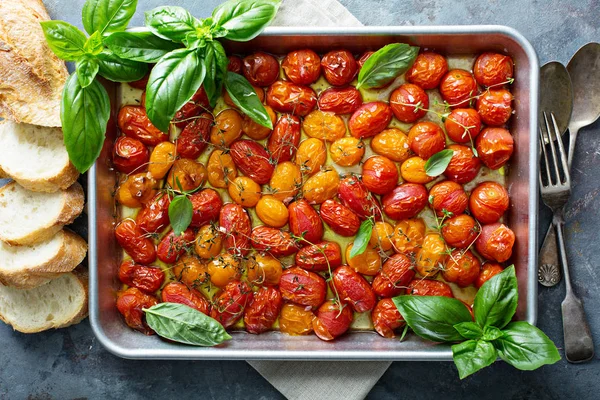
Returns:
(26,267)
(35,157)
(31,76)
(32,217)
(56,304)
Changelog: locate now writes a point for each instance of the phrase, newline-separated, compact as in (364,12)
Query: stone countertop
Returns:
(70,363)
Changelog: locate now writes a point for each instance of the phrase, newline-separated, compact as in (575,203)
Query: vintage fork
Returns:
(579,346)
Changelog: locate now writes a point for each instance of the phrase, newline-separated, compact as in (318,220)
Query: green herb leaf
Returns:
(143,46)
(362,238)
(93,46)
(525,347)
(433,317)
(172,83)
(469,330)
(215,61)
(244,19)
(437,163)
(84,114)
(386,64)
(65,40)
(117,69)
(473,355)
(87,68)
(184,324)
(180,213)
(243,95)
(491,333)
(171,22)
(107,15)
(496,300)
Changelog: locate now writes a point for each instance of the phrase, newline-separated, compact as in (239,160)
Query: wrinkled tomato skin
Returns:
(386,318)
(286,97)
(460,118)
(303,287)
(408,235)
(231,303)
(285,138)
(354,195)
(495,242)
(129,154)
(234,64)
(235,222)
(261,69)
(488,271)
(192,108)
(339,67)
(340,100)
(370,119)
(429,287)
(463,166)
(134,122)
(413,171)
(462,268)
(394,276)
(341,219)
(195,137)
(206,205)
(146,279)
(295,320)
(319,256)
(263,310)
(495,147)
(458,87)
(428,70)
(426,138)
(488,202)
(448,196)
(155,215)
(363,58)
(405,201)
(303,67)
(379,174)
(131,238)
(330,322)
(494,107)
(171,247)
(177,292)
(130,304)
(409,102)
(305,221)
(274,241)
(493,69)
(253,160)
(460,231)
(353,289)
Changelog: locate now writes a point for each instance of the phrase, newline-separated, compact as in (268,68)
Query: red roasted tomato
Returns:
(464,166)
(231,303)
(462,268)
(494,106)
(206,205)
(134,122)
(320,256)
(191,109)
(274,241)
(492,69)
(261,69)
(303,287)
(341,219)
(235,222)
(460,231)
(171,247)
(426,138)
(303,67)
(448,196)
(354,195)
(427,70)
(429,287)
(340,100)
(177,292)
(339,67)
(488,271)
(263,310)
(405,201)
(458,87)
(234,64)
(286,97)
(285,138)
(155,215)
(495,242)
(379,174)
(332,322)
(253,160)
(129,155)
(409,102)
(146,279)
(463,125)
(394,277)
(135,242)
(195,137)
(370,119)
(305,222)
(488,202)
(386,318)
(353,289)
(495,147)
(130,304)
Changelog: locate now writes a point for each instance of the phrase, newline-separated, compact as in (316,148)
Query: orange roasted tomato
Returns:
(488,202)
(253,160)
(408,235)
(366,263)
(460,231)
(426,138)
(347,151)
(261,69)
(427,70)
(272,211)
(392,143)
(155,214)
(495,242)
(386,318)
(324,125)
(161,159)
(429,287)
(264,269)
(340,100)
(227,128)
(462,268)
(206,205)
(320,256)
(223,269)
(341,219)
(234,64)
(130,304)
(463,125)
(311,155)
(303,67)
(381,236)
(413,171)
(231,303)
(244,191)
(370,119)
(396,273)
(463,166)
(488,271)
(236,227)
(286,97)
(253,129)
(458,87)
(221,169)
(355,195)
(333,320)
(305,222)
(135,242)
(276,242)
(495,147)
(263,310)
(353,289)
(405,201)
(191,271)
(303,287)
(448,197)
(134,122)
(295,320)
(431,256)
(137,190)
(177,292)
(286,181)
(379,174)
(187,175)
(493,69)
(129,155)
(494,106)
(195,137)
(409,102)
(146,279)
(285,138)
(173,246)
(339,67)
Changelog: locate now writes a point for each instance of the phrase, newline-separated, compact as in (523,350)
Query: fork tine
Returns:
(561,149)
(552,149)
(543,145)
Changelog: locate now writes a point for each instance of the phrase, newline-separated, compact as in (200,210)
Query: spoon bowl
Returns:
(556,94)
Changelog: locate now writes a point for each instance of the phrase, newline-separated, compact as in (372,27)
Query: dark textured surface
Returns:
(69,363)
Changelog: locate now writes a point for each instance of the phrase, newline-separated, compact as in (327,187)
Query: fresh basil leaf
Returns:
(65,40)
(107,16)
(139,46)
(87,68)
(172,83)
(437,163)
(243,95)
(469,330)
(386,64)
(244,19)
(93,45)
(180,213)
(496,300)
(184,324)
(433,317)
(84,114)
(362,238)
(525,347)
(472,355)
(171,22)
(491,333)
(215,60)
(117,69)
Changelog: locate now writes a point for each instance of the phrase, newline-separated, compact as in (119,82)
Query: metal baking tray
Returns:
(522,183)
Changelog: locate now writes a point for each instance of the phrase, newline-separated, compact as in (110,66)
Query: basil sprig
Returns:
(362,237)
(386,64)
(443,319)
(437,163)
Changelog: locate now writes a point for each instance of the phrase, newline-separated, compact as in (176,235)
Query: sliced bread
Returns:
(25,267)
(35,157)
(56,304)
(32,217)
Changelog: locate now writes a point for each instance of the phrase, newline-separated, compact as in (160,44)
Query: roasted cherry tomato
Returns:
(462,268)
(381,236)
(396,273)
(172,246)
(341,219)
(311,155)
(426,138)
(206,205)
(191,271)
(339,67)
(135,242)
(324,125)
(263,310)
(147,279)
(286,181)
(295,320)
(235,223)
(244,191)
(130,304)
(264,269)
(285,138)
(379,174)
(274,241)
(224,269)
(409,102)
(234,64)
(458,87)
(408,235)
(392,143)
(134,122)
(353,289)
(177,292)
(129,155)
(427,70)
(495,242)
(488,271)
(286,97)
(386,318)
(305,222)
(195,137)
(429,287)
(488,202)
(221,169)
(347,151)
(227,128)
(253,160)
(460,231)
(405,201)
(448,197)
(321,186)
(303,287)
(365,263)
(463,125)
(340,100)
(253,129)
(136,190)
(303,67)
(161,159)
(320,256)
(413,171)
(354,195)
(493,69)
(463,166)
(331,321)
(261,69)
(272,212)
(231,303)
(191,109)
(370,119)
(155,215)
(140,83)
(187,175)
(494,106)
(431,256)
(495,146)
